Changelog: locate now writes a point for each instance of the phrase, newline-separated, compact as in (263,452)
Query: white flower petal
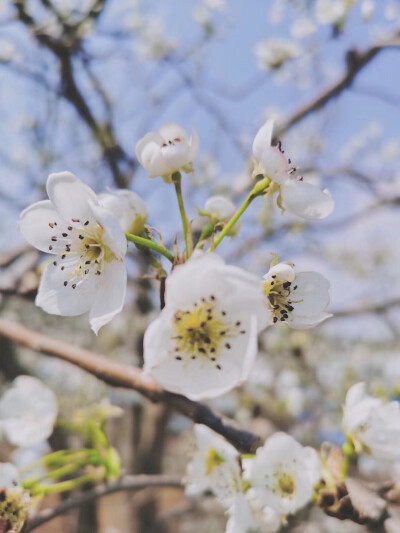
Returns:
(28,411)
(126,206)
(171,131)
(110,297)
(305,200)
(34,225)
(70,197)
(56,298)
(262,140)
(275,165)
(149,139)
(9,476)
(193,145)
(220,208)
(153,159)
(282,272)
(307,322)
(313,291)
(114,237)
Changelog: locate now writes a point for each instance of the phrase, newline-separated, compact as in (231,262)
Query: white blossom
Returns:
(9,476)
(87,272)
(297,196)
(204,342)
(168,151)
(283,473)
(330,11)
(220,210)
(129,209)
(274,53)
(247,515)
(28,411)
(213,467)
(296,299)
(372,425)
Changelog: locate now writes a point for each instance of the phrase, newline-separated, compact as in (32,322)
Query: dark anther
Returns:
(74,286)
(65,283)
(65,234)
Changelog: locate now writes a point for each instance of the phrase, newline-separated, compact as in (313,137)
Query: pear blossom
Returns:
(297,299)
(87,272)
(213,467)
(274,53)
(15,503)
(297,196)
(247,515)
(283,473)
(331,11)
(28,411)
(220,210)
(129,209)
(371,424)
(204,342)
(168,151)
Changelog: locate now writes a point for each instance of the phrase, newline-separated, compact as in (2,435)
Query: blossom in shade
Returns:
(168,151)
(372,425)
(294,194)
(220,210)
(283,474)
(129,209)
(297,299)
(213,467)
(204,342)
(87,271)
(247,515)
(15,502)
(28,411)
(9,476)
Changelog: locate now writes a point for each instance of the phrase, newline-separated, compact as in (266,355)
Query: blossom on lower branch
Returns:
(284,474)
(28,411)
(15,503)
(372,425)
(297,299)
(294,194)
(88,245)
(204,342)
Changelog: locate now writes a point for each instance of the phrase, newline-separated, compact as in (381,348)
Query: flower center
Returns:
(203,331)
(81,246)
(279,295)
(286,485)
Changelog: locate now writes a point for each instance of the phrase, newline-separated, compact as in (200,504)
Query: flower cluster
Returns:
(258,491)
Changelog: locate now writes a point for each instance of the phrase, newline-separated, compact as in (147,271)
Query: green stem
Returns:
(177,178)
(349,454)
(65,486)
(147,243)
(258,190)
(205,234)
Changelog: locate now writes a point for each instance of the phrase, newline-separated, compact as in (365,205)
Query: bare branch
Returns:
(121,375)
(128,483)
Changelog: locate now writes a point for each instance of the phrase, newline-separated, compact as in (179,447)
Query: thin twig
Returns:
(126,484)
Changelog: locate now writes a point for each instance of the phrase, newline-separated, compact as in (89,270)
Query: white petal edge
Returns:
(306,200)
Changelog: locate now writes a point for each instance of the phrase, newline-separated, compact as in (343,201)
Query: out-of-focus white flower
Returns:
(302,28)
(221,210)
(152,44)
(204,342)
(283,473)
(330,11)
(367,9)
(372,425)
(246,515)
(301,198)
(274,53)
(128,207)
(392,11)
(9,476)
(299,300)
(27,460)
(289,392)
(28,411)
(15,503)
(88,271)
(168,151)
(214,466)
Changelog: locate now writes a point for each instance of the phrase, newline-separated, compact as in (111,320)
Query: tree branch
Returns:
(128,483)
(356,61)
(121,375)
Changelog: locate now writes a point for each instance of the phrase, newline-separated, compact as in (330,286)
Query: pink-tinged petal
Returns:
(173,132)
(110,296)
(193,145)
(306,200)
(113,237)
(262,140)
(70,197)
(39,223)
(56,294)
(149,139)
(275,165)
